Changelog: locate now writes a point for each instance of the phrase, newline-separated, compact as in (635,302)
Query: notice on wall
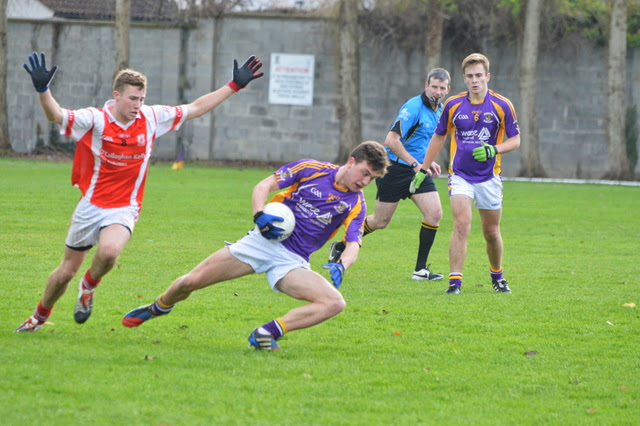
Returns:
(291,79)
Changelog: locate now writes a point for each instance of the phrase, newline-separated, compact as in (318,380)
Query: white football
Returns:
(279,209)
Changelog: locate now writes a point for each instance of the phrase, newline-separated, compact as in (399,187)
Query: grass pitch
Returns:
(562,349)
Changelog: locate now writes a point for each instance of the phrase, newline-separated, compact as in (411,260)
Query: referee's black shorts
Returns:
(394,186)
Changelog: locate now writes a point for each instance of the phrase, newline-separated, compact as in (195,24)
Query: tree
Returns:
(435,25)
(121,34)
(531,165)
(348,77)
(618,163)
(5,144)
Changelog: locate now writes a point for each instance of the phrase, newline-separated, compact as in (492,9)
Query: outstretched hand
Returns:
(38,72)
(336,270)
(243,75)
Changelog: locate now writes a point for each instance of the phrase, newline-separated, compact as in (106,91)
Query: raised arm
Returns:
(41,78)
(52,110)
(241,77)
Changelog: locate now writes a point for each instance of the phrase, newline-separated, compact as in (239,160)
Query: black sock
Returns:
(366,228)
(427,235)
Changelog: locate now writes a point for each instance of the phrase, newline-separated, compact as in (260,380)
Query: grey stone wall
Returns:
(571,99)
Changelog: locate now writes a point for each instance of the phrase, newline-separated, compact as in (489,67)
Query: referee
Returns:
(406,145)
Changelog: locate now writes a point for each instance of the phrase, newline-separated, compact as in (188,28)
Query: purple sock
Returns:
(495,276)
(273,328)
(455,278)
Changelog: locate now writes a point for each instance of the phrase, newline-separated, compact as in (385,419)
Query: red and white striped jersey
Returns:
(111,158)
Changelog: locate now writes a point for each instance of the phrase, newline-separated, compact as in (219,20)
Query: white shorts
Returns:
(487,195)
(267,256)
(88,220)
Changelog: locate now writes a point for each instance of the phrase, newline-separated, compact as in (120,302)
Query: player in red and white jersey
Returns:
(112,158)
(113,148)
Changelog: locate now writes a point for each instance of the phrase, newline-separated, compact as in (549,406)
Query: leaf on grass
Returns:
(306,375)
(157,341)
(52,331)
(531,353)
(235,294)
(592,410)
(479,285)
(609,322)
(575,382)
(426,369)
(623,387)
(148,357)
(384,311)
(629,305)
(397,333)
(182,327)
(140,296)
(113,329)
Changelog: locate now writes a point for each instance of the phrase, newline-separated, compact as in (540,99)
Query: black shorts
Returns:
(394,186)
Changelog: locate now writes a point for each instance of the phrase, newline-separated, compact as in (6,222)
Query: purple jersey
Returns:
(319,206)
(474,124)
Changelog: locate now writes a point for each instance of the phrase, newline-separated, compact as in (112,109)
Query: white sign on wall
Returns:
(291,79)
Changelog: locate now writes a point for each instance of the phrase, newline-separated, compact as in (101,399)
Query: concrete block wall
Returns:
(571,97)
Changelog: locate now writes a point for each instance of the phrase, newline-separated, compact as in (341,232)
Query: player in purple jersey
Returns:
(483,126)
(406,144)
(323,197)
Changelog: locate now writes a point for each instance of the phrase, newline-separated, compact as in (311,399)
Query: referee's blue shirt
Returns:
(415,124)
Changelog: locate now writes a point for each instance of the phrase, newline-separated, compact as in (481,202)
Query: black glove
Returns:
(266,226)
(39,74)
(243,75)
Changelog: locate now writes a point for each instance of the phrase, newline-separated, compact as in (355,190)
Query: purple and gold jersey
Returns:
(473,124)
(320,208)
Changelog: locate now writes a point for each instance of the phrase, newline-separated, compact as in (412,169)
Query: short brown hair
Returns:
(374,154)
(476,58)
(131,78)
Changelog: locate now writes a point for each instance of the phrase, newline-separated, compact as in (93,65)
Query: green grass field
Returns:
(402,352)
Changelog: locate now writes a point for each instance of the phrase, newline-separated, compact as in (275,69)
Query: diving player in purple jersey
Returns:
(323,197)
(483,126)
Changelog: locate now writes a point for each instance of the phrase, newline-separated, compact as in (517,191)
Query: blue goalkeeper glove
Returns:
(266,226)
(336,270)
(247,72)
(38,72)
(485,152)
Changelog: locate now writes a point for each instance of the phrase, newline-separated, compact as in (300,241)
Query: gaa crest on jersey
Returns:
(341,207)
(140,140)
(285,174)
(488,117)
